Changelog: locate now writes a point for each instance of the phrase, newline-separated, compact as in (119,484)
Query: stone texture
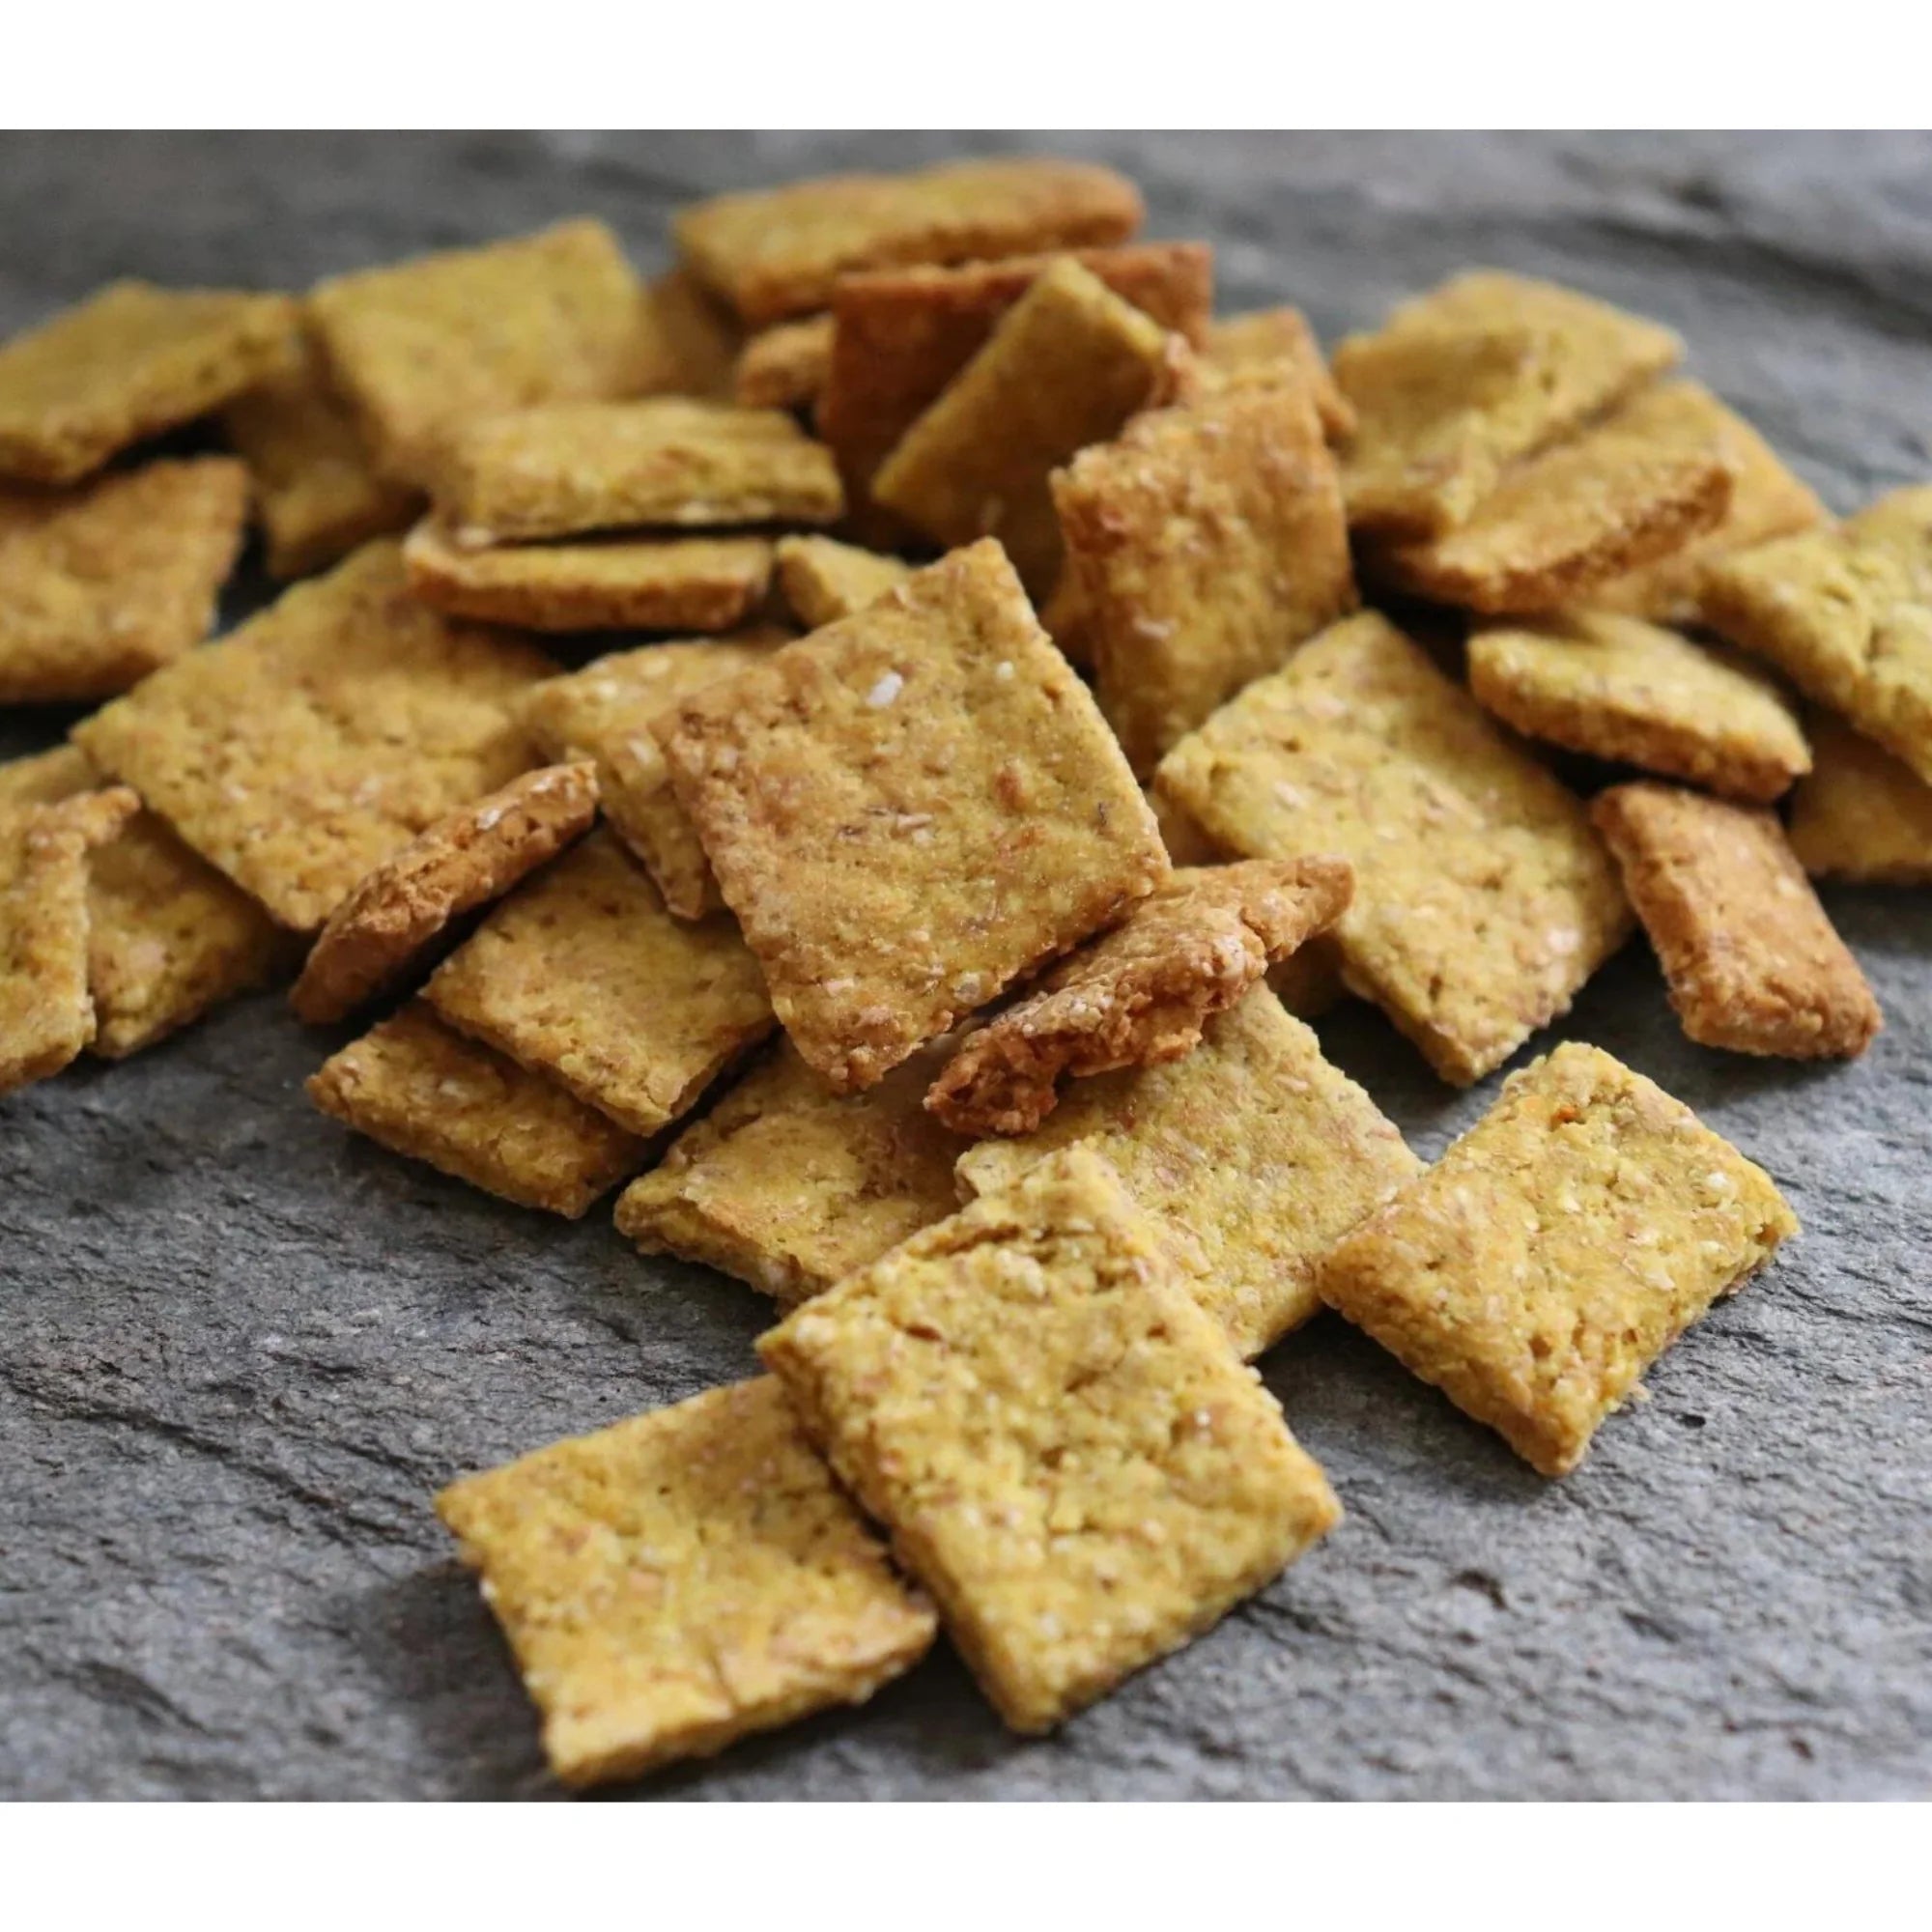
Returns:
(243,1349)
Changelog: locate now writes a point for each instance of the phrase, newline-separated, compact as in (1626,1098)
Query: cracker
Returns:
(790,1186)
(784,368)
(128,363)
(1621,688)
(422,346)
(1276,344)
(318,739)
(46,777)
(667,461)
(604,712)
(1140,994)
(582,976)
(1556,1250)
(606,583)
(824,580)
(908,811)
(1128,1485)
(1860,814)
(691,341)
(1462,381)
(423,1090)
(779,252)
(1753,962)
(396,914)
(1206,542)
(1253,1155)
(681,1579)
(1846,614)
(1483,898)
(1066,365)
(101,584)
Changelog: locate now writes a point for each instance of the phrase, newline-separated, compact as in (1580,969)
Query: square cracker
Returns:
(423,345)
(582,976)
(823,579)
(425,1092)
(1753,962)
(1065,1450)
(1860,814)
(1621,688)
(1066,365)
(1253,1155)
(1483,898)
(779,252)
(784,368)
(790,1186)
(101,584)
(128,363)
(1271,345)
(908,811)
(1556,1250)
(1206,543)
(1846,613)
(1462,381)
(605,711)
(648,584)
(681,1579)
(322,735)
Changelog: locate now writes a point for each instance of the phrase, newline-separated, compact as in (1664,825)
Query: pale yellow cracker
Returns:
(1276,344)
(909,810)
(1860,814)
(1483,898)
(691,340)
(784,368)
(1557,1249)
(823,579)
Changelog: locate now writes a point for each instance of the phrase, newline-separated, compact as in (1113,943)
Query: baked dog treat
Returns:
(1253,1155)
(1621,688)
(823,579)
(396,914)
(1068,1541)
(101,584)
(1860,814)
(681,1579)
(1275,345)
(1556,1250)
(1140,994)
(1753,962)
(784,367)
(910,809)
(128,363)
(423,1090)
(1483,898)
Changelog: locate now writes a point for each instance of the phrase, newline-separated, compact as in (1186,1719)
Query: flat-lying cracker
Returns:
(1140,994)
(1557,1249)
(823,579)
(1753,962)
(1483,898)
(784,368)
(1860,814)
(908,811)
(1270,345)
(426,1092)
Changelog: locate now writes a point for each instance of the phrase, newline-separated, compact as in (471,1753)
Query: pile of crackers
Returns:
(1051,694)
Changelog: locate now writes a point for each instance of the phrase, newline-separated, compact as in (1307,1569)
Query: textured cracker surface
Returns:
(1273,344)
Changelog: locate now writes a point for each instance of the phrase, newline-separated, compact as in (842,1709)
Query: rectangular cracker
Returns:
(422,346)
(424,1091)
(1462,381)
(101,584)
(1276,345)
(648,584)
(779,252)
(784,368)
(691,341)
(128,363)
(1130,1484)
(1556,1250)
(1846,613)
(1483,898)
(582,976)
(681,1579)
(1066,365)
(605,711)
(666,462)
(823,579)
(1253,1155)
(908,811)
(790,1186)
(1753,962)
(1206,543)
(1618,688)
(1860,814)
(322,735)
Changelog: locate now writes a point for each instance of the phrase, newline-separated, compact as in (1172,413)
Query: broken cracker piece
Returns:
(1860,814)
(823,579)
(784,368)
(1753,962)
(1275,344)
(1556,1250)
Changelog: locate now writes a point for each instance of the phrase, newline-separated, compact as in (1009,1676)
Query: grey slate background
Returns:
(238,1350)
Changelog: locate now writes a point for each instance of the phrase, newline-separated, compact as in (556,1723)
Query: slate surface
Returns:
(238,1349)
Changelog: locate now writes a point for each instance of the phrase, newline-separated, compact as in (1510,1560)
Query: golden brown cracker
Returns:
(692,340)
(1860,814)
(823,579)
(1276,344)
(784,368)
